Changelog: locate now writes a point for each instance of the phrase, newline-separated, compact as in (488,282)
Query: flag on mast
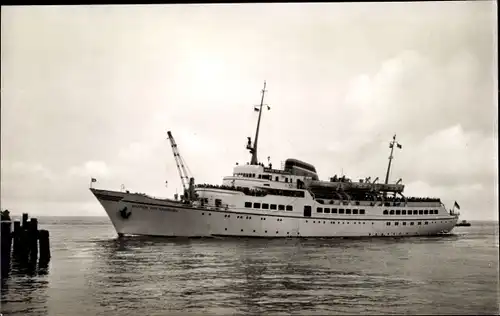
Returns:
(456,205)
(93,180)
(399,145)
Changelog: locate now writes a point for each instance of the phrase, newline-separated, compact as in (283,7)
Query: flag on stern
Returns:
(456,205)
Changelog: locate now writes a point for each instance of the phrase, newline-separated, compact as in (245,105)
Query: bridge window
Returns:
(386,212)
(409,212)
(426,212)
(348,211)
(319,210)
(398,212)
(327,210)
(362,212)
(341,211)
(403,212)
(281,207)
(265,206)
(355,211)
(256,205)
(289,208)
(421,212)
(273,206)
(334,211)
(391,212)
(248,204)
(436,211)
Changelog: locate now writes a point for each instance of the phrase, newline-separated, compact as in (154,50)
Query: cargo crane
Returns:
(186,179)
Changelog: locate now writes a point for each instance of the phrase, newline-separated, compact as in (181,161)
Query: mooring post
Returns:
(33,240)
(44,248)
(16,238)
(25,221)
(6,240)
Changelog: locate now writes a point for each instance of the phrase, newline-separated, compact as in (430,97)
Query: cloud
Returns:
(90,169)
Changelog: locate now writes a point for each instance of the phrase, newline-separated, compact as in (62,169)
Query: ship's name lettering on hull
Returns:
(153,208)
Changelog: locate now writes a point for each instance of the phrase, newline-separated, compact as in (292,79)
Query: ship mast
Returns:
(253,149)
(391,146)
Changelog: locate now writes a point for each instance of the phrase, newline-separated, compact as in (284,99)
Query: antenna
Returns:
(253,149)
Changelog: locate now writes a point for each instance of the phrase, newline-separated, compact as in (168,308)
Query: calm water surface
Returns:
(93,273)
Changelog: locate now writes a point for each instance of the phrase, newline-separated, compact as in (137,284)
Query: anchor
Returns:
(124,213)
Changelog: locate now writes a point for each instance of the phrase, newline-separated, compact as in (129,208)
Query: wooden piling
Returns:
(43,238)
(33,239)
(6,242)
(25,221)
(16,245)
(29,245)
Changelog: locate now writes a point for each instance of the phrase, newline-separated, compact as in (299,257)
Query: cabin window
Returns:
(391,212)
(426,212)
(265,206)
(398,212)
(334,211)
(273,206)
(386,212)
(388,223)
(348,211)
(256,205)
(260,176)
(286,180)
(307,211)
(248,204)
(319,210)
(436,211)
(281,207)
(327,210)
(403,212)
(355,211)
(361,211)
(420,223)
(277,178)
(266,184)
(404,223)
(412,223)
(426,223)
(341,211)
(218,202)
(396,223)
(421,212)
(289,208)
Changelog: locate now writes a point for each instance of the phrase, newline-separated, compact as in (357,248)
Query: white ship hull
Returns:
(133,214)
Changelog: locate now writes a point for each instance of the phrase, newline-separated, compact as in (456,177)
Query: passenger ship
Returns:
(259,201)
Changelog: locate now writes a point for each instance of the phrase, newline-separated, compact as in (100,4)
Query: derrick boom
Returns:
(181,165)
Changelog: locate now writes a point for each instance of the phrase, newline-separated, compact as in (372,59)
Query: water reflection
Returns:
(24,292)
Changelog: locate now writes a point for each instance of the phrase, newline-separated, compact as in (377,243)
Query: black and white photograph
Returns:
(250,159)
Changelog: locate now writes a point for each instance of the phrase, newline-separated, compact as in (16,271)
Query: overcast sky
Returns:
(91,91)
